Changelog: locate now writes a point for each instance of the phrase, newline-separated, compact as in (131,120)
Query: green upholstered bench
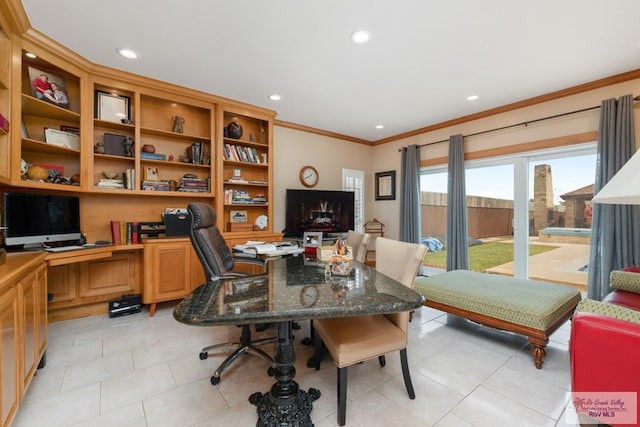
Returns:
(528,307)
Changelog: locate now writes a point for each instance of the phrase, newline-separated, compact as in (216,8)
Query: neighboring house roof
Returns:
(580,193)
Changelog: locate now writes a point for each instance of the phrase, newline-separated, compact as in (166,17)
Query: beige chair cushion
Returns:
(355,339)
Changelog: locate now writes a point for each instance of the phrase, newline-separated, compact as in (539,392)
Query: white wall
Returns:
(294,149)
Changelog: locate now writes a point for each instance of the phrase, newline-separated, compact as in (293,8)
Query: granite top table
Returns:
(295,288)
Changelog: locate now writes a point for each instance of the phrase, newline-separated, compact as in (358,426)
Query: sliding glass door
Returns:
(528,215)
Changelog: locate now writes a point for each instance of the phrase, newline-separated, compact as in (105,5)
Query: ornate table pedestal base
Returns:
(285,404)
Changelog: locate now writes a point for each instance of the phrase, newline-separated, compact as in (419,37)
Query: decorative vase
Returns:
(233,130)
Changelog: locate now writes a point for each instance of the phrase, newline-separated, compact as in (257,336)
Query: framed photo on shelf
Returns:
(151,173)
(238,216)
(112,108)
(48,87)
(386,185)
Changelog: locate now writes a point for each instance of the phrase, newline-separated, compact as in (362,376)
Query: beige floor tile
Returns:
(183,406)
(61,409)
(128,389)
(464,375)
(127,416)
(483,407)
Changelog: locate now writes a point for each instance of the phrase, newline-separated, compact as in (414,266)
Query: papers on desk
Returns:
(268,249)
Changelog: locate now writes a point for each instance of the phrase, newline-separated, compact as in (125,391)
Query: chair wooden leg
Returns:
(405,373)
(342,396)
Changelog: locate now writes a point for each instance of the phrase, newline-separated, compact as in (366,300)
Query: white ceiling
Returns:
(424,58)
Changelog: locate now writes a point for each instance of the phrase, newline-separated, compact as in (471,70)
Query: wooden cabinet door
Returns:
(63,281)
(28,294)
(167,267)
(108,276)
(9,362)
(42,304)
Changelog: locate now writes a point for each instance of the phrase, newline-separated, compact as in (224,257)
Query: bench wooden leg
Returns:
(538,350)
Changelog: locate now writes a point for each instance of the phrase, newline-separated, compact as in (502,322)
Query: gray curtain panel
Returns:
(410,195)
(457,246)
(615,229)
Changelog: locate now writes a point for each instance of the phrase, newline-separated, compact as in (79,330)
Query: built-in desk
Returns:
(82,281)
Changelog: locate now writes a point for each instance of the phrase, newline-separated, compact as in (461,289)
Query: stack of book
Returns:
(193,185)
(110,183)
(156,185)
(152,156)
(240,196)
(259,199)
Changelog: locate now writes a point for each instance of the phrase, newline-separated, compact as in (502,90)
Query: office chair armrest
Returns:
(239,260)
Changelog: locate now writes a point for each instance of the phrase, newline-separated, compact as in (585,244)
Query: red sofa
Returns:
(605,345)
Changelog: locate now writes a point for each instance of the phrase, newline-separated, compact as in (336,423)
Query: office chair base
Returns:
(250,349)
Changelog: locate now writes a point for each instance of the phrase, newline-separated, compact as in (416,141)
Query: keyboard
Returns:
(64,248)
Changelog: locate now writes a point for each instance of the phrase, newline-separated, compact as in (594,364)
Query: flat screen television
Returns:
(32,220)
(328,211)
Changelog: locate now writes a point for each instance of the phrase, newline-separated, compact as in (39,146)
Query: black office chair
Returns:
(218,261)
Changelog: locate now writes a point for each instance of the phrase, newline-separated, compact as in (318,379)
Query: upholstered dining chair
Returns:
(352,340)
(358,243)
(218,261)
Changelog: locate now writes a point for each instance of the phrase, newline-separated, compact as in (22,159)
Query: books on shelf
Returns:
(152,156)
(194,185)
(110,183)
(156,185)
(239,153)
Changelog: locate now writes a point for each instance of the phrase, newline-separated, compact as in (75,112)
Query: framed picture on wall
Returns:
(386,185)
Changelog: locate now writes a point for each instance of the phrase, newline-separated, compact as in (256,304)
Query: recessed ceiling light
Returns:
(360,37)
(30,55)
(128,53)
(472,97)
(379,126)
(274,97)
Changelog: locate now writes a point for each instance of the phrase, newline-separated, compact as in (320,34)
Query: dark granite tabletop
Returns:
(296,288)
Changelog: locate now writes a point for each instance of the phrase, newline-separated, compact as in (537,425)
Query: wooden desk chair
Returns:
(218,261)
(351,340)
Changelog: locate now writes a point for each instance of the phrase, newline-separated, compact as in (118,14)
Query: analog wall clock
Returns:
(309,176)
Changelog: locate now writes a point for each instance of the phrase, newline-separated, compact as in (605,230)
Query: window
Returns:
(528,214)
(353,180)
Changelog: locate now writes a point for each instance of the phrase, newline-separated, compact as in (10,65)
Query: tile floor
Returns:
(145,371)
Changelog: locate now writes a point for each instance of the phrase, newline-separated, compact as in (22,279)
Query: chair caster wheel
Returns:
(215,380)
(271,372)
(204,355)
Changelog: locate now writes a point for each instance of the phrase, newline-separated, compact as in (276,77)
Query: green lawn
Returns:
(484,256)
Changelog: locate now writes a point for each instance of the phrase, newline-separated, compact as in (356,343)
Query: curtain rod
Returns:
(525,124)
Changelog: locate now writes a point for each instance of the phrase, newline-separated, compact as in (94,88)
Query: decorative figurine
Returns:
(128,147)
(99,148)
(178,122)
(252,138)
